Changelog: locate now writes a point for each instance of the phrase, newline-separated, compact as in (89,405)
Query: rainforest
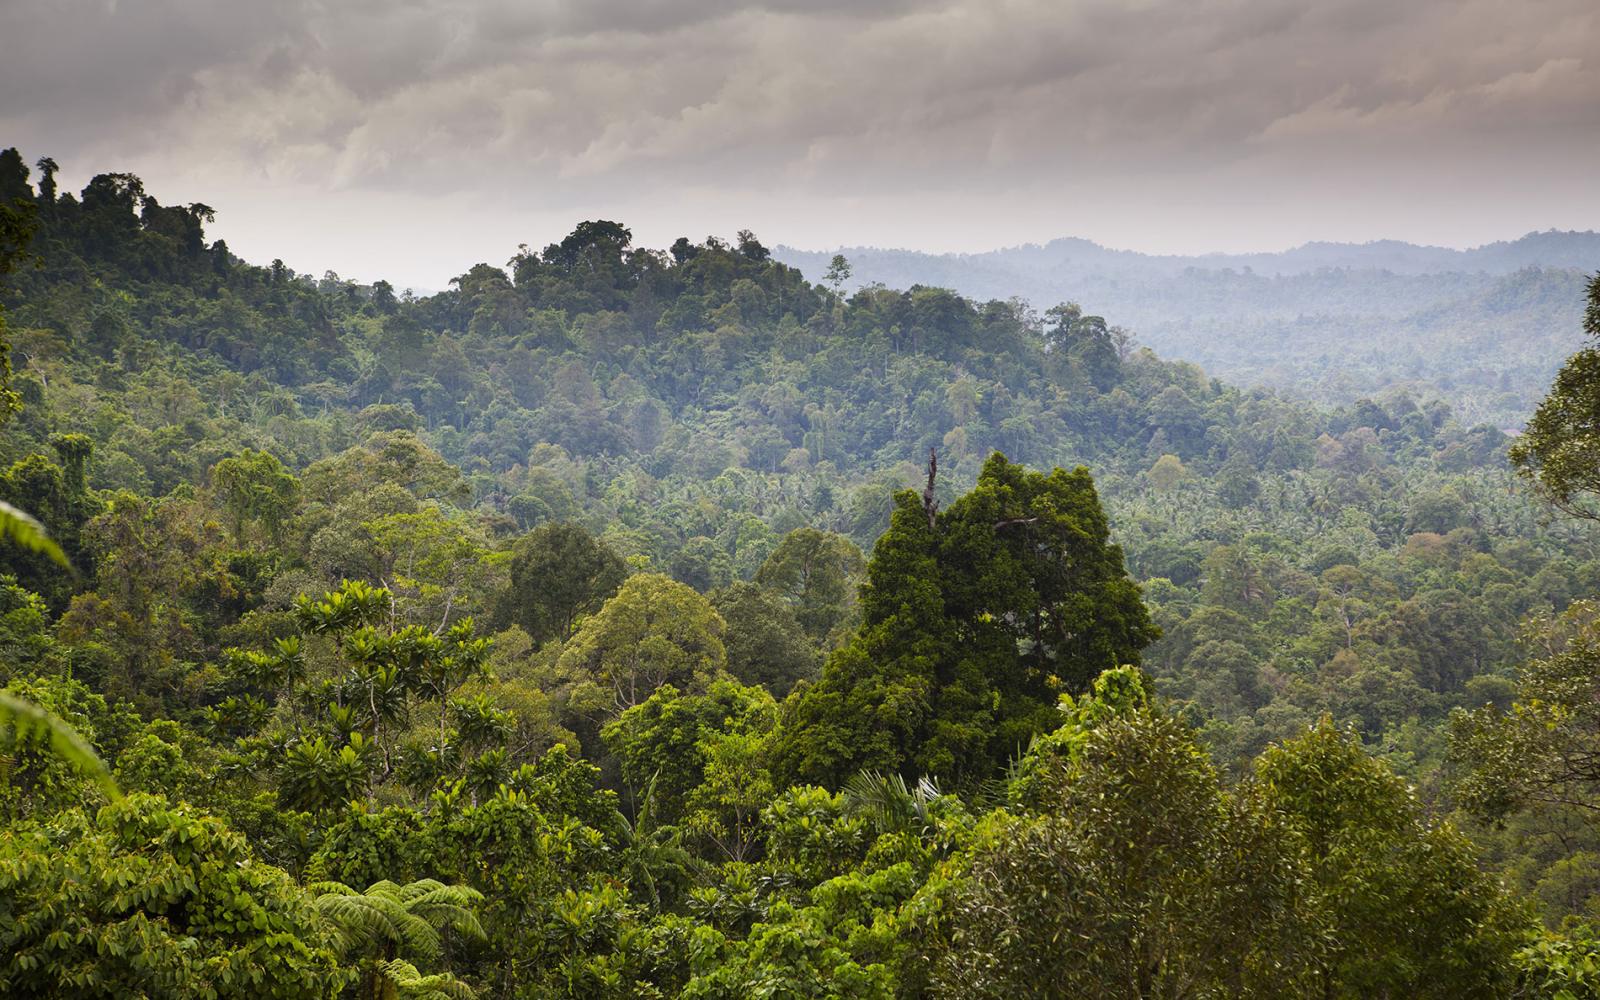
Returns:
(631,622)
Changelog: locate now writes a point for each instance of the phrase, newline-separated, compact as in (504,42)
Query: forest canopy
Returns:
(625,622)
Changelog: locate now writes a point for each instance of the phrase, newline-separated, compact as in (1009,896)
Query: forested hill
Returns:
(593,588)
(1483,329)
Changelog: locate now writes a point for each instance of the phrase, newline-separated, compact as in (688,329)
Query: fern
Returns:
(413,985)
(406,919)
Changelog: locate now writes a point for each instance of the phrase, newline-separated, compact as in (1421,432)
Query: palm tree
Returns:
(389,927)
(889,804)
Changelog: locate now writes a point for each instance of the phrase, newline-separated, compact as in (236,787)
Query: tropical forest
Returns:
(627,621)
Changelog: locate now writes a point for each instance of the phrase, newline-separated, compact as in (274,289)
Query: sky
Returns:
(410,139)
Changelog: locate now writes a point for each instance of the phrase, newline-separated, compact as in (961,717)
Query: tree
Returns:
(751,247)
(974,620)
(765,643)
(559,573)
(383,672)
(698,758)
(1140,878)
(47,179)
(1544,750)
(1133,873)
(817,572)
(254,486)
(391,457)
(655,631)
(1087,344)
(18,222)
(389,928)
(1403,906)
(1559,450)
(838,273)
(148,899)
(316,777)
(1165,475)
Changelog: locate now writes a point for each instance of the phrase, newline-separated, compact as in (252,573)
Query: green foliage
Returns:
(20,528)
(147,899)
(293,498)
(973,620)
(1144,878)
(1565,967)
(764,640)
(18,224)
(665,742)
(560,573)
(316,777)
(1560,448)
(655,631)
(817,573)
(254,486)
(1540,750)
(1403,903)
(22,722)
(389,927)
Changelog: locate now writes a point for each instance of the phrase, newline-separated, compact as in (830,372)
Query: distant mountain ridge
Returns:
(1483,328)
(1570,249)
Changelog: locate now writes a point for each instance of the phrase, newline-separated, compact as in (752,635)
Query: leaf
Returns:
(26,718)
(21,528)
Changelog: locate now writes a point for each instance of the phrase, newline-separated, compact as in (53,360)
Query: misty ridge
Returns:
(1482,328)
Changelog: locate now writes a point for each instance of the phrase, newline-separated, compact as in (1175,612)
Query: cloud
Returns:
(556,103)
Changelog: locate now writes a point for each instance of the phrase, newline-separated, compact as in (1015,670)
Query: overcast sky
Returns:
(409,139)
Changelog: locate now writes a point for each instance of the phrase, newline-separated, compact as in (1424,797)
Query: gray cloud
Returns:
(874,118)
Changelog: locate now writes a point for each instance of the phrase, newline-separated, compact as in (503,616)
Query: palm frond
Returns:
(883,799)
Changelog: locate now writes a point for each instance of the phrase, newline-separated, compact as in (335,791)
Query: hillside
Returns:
(704,629)
(1483,329)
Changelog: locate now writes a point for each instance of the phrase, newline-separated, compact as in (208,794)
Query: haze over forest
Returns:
(1483,328)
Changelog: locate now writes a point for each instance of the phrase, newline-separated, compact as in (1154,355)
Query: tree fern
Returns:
(390,926)
(413,985)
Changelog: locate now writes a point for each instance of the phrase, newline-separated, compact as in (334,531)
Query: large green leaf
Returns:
(26,719)
(21,528)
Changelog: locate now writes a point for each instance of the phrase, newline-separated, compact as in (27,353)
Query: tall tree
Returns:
(560,572)
(655,631)
(817,573)
(974,620)
(1559,450)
